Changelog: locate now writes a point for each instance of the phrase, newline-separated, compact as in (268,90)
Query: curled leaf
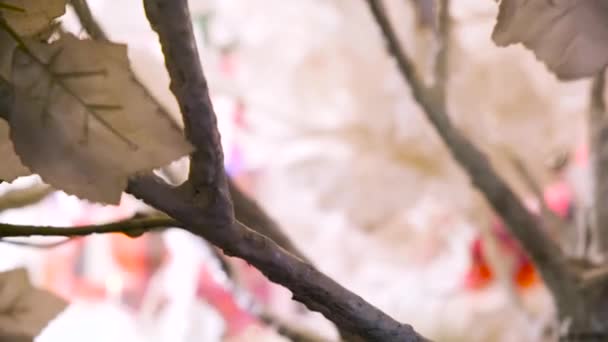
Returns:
(570,37)
(24,309)
(83,123)
(31,17)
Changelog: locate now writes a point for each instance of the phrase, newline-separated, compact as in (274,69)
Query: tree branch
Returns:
(555,225)
(598,129)
(246,209)
(441,63)
(130,227)
(88,22)
(543,251)
(425,11)
(204,205)
(207,179)
(309,286)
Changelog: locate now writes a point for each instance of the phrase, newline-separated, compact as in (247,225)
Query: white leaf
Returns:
(24,309)
(570,37)
(81,121)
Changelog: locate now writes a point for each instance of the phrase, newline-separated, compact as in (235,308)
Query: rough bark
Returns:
(203,204)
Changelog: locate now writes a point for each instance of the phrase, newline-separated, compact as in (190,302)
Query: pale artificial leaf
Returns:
(36,17)
(83,123)
(24,309)
(570,37)
(10,165)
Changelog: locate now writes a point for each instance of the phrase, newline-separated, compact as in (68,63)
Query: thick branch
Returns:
(598,129)
(204,206)
(543,251)
(207,180)
(130,226)
(309,286)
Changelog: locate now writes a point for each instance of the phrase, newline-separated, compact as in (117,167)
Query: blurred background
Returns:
(320,128)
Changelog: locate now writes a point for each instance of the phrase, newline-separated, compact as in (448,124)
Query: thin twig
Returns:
(88,22)
(406,67)
(130,226)
(442,61)
(556,225)
(522,224)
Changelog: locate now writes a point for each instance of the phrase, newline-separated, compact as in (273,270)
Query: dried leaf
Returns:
(36,17)
(10,165)
(81,121)
(24,309)
(570,37)
(7,48)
